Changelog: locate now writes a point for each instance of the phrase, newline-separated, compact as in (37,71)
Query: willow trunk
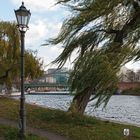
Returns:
(79,103)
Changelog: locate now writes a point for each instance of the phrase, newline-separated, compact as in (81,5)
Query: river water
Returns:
(120,108)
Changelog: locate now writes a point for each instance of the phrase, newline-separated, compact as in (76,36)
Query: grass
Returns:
(132,91)
(9,133)
(73,126)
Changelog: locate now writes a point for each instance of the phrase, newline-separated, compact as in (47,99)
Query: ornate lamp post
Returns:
(23,17)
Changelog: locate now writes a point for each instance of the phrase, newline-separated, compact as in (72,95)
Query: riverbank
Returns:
(72,126)
(120,108)
(132,92)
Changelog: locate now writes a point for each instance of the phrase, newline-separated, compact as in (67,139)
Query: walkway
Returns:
(39,132)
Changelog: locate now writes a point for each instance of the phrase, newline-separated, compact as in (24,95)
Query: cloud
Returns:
(41,30)
(38,5)
(49,54)
(133,65)
(36,32)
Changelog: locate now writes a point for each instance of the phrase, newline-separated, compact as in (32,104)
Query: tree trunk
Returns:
(9,90)
(79,103)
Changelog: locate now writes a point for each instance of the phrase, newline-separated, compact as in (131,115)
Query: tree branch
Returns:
(110,31)
(6,74)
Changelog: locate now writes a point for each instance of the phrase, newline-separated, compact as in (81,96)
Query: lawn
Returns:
(75,127)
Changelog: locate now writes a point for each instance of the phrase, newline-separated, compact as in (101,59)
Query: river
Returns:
(120,108)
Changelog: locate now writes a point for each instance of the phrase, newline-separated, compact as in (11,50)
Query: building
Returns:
(128,79)
(128,75)
(55,76)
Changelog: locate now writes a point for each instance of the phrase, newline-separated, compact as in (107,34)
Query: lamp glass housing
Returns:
(23,17)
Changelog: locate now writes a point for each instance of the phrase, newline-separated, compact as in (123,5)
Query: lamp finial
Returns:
(22,3)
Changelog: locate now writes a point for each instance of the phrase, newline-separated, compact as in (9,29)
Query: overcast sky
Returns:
(46,21)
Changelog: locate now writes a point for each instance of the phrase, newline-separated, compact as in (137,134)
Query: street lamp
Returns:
(23,17)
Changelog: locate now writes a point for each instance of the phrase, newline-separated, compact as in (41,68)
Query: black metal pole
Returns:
(22,113)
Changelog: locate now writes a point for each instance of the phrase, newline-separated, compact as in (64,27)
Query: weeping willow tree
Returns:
(10,57)
(9,53)
(33,65)
(106,33)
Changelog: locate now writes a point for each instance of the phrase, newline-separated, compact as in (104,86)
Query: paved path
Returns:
(39,132)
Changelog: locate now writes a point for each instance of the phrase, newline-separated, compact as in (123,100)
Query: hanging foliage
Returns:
(106,33)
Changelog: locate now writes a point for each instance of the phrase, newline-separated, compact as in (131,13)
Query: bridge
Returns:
(53,86)
(53,80)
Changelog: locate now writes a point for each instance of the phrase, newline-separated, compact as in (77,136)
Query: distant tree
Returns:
(122,77)
(33,65)
(9,52)
(131,76)
(138,75)
(10,57)
(113,27)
